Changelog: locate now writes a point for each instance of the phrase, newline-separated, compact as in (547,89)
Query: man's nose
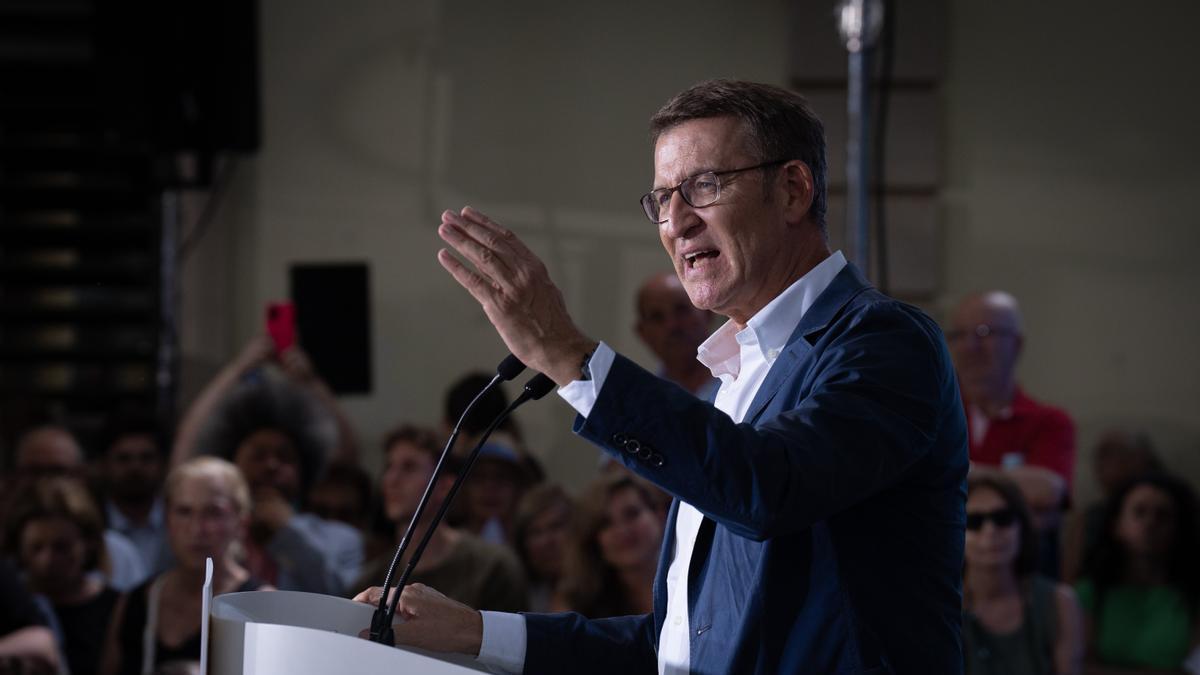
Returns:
(681,217)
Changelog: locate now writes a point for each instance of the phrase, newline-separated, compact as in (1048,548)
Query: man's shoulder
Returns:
(873,302)
(871,315)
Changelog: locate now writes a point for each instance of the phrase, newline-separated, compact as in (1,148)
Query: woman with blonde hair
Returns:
(613,553)
(157,625)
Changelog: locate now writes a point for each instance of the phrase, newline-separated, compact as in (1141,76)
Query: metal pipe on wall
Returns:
(859,23)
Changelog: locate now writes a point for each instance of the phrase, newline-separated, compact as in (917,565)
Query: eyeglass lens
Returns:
(698,191)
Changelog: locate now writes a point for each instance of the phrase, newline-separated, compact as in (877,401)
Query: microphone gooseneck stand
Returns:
(537,387)
(381,624)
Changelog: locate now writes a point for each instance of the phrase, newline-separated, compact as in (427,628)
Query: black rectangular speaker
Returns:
(333,321)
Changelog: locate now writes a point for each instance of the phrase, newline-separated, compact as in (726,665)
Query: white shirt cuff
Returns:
(502,649)
(582,394)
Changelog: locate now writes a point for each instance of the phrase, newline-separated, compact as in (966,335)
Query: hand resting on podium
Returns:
(429,620)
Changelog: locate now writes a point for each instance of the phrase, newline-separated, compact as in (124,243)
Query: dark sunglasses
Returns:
(1002,518)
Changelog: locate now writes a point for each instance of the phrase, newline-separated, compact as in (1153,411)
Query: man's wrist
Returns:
(567,366)
(473,638)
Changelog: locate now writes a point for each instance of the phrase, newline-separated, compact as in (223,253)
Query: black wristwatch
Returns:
(585,368)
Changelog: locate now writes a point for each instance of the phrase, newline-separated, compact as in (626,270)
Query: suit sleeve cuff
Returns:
(502,649)
(582,394)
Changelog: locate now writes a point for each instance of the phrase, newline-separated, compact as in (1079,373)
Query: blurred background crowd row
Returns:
(104,546)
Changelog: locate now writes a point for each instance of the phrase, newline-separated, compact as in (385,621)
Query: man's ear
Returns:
(798,185)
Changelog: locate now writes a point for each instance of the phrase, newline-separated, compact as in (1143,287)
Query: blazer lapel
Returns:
(847,284)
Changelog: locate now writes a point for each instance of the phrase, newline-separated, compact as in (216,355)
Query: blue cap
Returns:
(500,451)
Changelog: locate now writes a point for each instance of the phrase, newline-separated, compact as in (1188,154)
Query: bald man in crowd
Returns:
(48,449)
(673,328)
(1034,443)
(52,450)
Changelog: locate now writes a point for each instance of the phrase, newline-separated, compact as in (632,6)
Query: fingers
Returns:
(485,258)
(490,255)
(365,596)
(369,596)
(480,288)
(492,234)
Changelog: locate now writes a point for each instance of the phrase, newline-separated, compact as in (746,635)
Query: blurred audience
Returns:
(673,328)
(346,493)
(1015,621)
(457,563)
(1033,442)
(280,434)
(157,625)
(343,493)
(613,553)
(131,469)
(56,535)
(541,529)
(53,451)
(487,408)
(1120,456)
(490,493)
(49,450)
(26,645)
(1140,582)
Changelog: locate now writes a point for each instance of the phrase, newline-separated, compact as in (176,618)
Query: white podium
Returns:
(289,633)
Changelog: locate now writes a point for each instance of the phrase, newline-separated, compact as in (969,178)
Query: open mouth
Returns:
(698,258)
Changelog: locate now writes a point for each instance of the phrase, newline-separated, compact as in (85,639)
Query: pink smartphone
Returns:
(281,325)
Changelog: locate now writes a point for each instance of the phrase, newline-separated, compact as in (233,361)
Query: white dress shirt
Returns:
(741,359)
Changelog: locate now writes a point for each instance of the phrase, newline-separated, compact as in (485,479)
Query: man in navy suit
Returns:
(818,520)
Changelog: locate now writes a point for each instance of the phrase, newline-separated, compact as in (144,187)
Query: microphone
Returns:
(537,387)
(381,624)
(509,368)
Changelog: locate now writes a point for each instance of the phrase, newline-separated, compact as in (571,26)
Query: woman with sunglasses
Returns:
(1014,621)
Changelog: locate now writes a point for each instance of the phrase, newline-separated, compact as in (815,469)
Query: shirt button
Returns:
(678,620)
(772,353)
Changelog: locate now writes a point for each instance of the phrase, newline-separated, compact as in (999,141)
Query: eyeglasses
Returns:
(1001,519)
(982,331)
(700,190)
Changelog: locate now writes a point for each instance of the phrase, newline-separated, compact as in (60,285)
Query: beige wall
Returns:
(379,115)
(1070,181)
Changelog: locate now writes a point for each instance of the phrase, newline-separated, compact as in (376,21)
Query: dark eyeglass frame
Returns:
(982,331)
(650,205)
(1001,518)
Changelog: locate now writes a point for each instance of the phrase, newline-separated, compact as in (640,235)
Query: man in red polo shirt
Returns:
(1033,443)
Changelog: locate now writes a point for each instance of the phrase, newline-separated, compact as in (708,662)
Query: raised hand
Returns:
(254,353)
(515,291)
(297,366)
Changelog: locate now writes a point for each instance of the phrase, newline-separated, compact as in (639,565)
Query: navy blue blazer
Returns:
(834,514)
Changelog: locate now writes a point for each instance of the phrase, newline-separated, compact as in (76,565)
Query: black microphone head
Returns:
(538,386)
(509,368)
